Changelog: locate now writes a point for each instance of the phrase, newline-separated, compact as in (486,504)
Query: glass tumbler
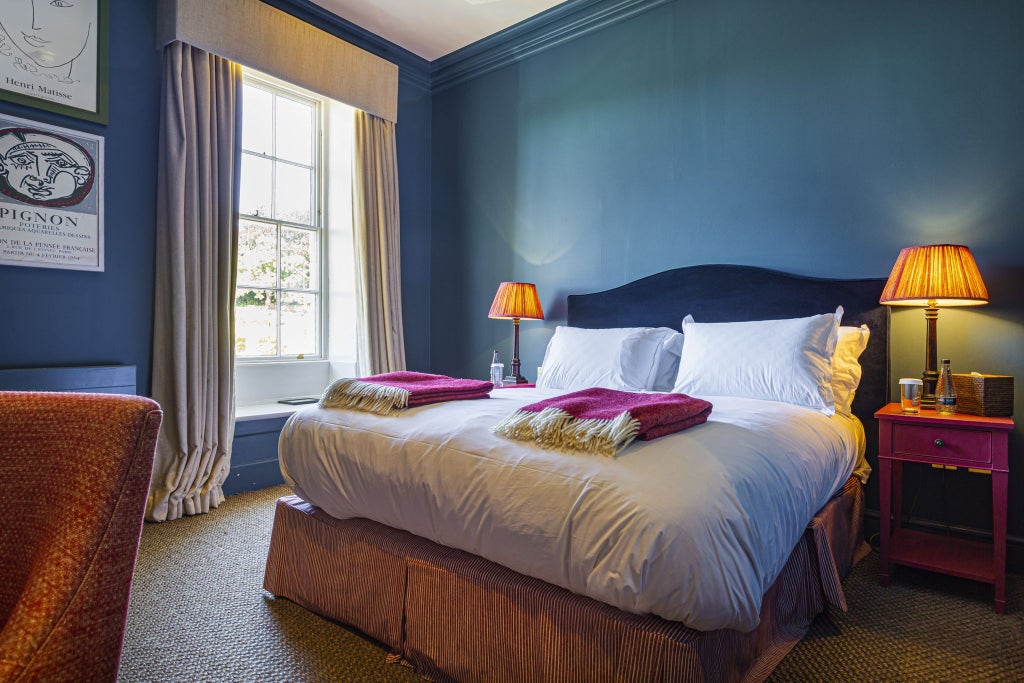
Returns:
(910,395)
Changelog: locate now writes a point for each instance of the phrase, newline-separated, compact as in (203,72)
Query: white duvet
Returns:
(693,527)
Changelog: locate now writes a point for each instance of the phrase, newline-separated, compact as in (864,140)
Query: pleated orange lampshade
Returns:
(516,300)
(935,275)
(932,276)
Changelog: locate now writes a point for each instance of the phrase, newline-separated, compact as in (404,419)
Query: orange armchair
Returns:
(74,476)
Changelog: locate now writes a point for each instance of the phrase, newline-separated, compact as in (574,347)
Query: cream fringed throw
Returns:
(392,392)
(602,421)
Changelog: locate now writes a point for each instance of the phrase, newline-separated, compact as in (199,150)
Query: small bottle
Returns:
(497,370)
(945,394)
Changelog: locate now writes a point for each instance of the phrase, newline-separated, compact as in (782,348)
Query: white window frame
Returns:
(319,166)
(261,381)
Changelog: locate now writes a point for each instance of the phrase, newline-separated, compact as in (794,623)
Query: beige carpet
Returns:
(198,613)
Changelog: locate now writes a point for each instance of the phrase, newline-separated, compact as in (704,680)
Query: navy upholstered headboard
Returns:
(725,293)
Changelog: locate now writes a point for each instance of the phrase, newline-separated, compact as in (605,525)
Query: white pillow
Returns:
(624,358)
(846,370)
(667,362)
(777,360)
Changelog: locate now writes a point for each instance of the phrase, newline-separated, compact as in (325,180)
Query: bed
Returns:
(596,601)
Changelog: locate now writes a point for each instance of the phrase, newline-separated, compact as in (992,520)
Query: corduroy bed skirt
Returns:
(454,616)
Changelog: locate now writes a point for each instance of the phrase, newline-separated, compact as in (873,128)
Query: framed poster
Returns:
(54,55)
(51,196)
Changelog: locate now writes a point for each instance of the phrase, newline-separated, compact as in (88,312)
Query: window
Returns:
(295,306)
(278,303)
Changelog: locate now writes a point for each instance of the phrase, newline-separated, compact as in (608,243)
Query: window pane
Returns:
(279,184)
(257,120)
(256,185)
(294,194)
(255,322)
(257,254)
(295,131)
(298,324)
(299,259)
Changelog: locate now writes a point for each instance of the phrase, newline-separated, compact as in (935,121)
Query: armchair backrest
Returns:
(74,476)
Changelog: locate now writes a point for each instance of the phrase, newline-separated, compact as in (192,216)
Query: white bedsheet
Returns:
(693,527)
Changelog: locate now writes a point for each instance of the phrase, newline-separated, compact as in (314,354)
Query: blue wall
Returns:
(60,317)
(816,138)
(63,317)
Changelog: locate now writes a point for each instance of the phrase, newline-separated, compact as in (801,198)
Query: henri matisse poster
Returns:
(51,196)
(53,55)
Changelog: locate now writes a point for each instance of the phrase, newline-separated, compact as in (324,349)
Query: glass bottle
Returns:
(945,394)
(497,370)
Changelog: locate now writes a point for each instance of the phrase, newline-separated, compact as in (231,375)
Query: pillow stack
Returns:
(810,362)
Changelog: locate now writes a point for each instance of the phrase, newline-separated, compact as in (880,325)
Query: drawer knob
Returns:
(939,443)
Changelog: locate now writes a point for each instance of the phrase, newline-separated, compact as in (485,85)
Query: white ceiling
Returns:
(433,28)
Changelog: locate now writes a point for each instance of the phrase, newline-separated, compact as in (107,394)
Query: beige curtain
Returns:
(378,263)
(196,253)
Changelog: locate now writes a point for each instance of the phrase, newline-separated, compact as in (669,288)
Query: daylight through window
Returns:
(278,303)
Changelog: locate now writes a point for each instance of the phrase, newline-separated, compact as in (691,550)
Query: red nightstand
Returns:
(978,443)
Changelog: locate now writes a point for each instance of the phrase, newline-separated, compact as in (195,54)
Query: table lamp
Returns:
(933,276)
(516,301)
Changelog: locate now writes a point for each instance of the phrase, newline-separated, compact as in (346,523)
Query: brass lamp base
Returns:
(930,376)
(514,377)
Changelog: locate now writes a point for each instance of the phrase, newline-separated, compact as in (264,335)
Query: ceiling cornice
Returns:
(546,30)
(554,27)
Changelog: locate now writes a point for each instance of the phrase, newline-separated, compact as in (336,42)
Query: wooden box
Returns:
(988,395)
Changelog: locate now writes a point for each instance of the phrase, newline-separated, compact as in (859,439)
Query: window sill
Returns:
(263,411)
(262,384)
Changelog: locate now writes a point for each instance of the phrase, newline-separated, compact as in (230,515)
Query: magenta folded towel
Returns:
(392,392)
(603,421)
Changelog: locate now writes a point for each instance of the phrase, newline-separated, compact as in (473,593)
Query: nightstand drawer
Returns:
(933,443)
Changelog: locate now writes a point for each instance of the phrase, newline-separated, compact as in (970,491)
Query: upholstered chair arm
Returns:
(74,476)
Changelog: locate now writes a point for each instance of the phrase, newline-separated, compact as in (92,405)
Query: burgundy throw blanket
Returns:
(603,421)
(392,392)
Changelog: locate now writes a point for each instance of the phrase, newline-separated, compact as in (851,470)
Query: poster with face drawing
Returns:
(51,196)
(50,54)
